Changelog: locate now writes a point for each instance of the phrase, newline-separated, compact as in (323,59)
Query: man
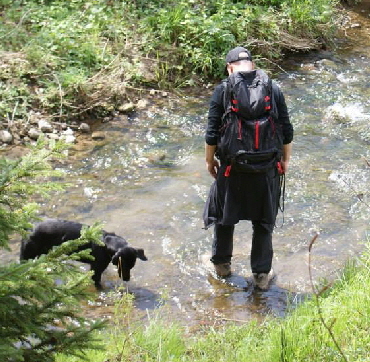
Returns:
(239,196)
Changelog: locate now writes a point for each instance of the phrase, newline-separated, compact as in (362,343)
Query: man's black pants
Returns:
(261,253)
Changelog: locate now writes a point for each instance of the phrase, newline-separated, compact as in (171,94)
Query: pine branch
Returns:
(39,317)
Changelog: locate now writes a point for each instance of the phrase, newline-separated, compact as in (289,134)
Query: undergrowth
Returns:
(67,59)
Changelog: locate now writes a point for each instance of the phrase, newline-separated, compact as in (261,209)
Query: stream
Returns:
(147,182)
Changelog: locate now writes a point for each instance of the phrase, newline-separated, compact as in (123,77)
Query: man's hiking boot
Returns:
(262,280)
(223,270)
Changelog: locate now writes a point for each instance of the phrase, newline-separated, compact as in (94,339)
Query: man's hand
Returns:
(212,164)
(287,151)
(213,167)
(284,165)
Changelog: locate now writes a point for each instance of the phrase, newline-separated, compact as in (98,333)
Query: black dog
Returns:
(54,232)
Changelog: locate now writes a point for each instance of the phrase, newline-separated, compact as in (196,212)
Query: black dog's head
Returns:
(125,259)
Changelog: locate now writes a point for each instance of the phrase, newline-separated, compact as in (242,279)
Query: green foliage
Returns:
(19,180)
(203,32)
(70,57)
(40,312)
(14,100)
(129,341)
(40,317)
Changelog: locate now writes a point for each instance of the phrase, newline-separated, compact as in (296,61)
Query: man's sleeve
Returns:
(215,112)
(283,115)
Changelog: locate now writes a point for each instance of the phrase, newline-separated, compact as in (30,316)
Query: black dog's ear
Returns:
(141,255)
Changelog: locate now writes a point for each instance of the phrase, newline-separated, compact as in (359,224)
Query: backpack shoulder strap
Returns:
(273,112)
(260,74)
(229,83)
(226,98)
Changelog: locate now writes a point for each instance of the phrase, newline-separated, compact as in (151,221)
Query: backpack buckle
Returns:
(227,171)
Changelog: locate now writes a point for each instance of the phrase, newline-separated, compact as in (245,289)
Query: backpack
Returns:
(250,139)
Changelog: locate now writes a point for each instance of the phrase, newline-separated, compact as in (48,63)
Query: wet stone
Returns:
(327,63)
(127,107)
(121,118)
(142,104)
(84,128)
(98,135)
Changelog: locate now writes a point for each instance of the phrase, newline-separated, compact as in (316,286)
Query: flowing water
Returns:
(147,182)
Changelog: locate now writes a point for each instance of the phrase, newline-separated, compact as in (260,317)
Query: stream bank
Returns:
(147,182)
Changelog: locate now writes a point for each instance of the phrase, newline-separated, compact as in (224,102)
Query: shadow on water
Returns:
(147,182)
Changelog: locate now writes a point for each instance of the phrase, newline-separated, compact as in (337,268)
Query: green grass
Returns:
(66,58)
(300,336)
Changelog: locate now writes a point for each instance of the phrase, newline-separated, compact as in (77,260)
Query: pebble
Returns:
(33,133)
(127,107)
(67,132)
(84,128)
(6,137)
(53,136)
(142,104)
(69,139)
(45,126)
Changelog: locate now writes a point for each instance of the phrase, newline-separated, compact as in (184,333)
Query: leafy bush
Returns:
(81,56)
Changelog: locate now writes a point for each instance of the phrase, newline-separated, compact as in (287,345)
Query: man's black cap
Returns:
(234,55)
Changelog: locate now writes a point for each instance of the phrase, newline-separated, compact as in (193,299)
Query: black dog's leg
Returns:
(98,266)
(96,277)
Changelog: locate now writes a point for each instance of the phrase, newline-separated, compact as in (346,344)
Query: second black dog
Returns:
(53,232)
